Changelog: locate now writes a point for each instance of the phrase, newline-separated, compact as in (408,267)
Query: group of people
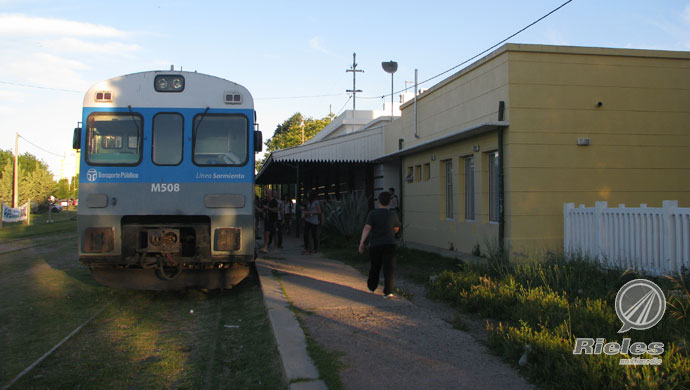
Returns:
(381,228)
(277,217)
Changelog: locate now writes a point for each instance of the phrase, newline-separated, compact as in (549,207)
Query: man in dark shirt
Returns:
(270,220)
(382,224)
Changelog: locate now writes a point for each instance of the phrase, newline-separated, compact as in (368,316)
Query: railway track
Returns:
(31,242)
(61,329)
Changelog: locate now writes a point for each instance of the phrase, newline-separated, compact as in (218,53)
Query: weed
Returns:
(548,304)
(404,293)
(459,324)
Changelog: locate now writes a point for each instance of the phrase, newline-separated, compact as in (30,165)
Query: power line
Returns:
(480,54)
(353,70)
(40,87)
(343,107)
(45,150)
(297,97)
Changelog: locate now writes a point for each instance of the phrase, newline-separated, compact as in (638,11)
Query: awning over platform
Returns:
(360,147)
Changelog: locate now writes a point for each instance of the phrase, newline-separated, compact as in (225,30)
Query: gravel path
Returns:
(385,344)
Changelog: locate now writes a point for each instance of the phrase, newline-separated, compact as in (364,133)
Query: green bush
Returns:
(552,364)
(548,304)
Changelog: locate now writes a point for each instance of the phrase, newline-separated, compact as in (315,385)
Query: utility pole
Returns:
(302,126)
(15,190)
(354,89)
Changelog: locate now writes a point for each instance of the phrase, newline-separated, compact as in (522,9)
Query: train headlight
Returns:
(169,83)
(162,84)
(177,83)
(227,239)
(98,240)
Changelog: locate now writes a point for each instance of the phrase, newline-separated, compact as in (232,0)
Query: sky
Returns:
(291,55)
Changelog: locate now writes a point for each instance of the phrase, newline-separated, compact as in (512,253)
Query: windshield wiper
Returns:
(200,120)
(134,119)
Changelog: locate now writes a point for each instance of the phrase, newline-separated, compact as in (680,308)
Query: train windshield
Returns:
(113,139)
(220,139)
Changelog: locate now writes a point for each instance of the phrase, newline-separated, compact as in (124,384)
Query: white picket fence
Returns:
(650,239)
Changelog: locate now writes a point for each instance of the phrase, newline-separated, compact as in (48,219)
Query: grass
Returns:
(143,340)
(458,323)
(327,362)
(549,304)
(415,265)
(65,221)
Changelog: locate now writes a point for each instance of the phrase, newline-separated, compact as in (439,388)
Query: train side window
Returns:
(113,138)
(221,140)
(167,139)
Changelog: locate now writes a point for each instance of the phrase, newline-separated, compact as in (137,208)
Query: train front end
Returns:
(167,181)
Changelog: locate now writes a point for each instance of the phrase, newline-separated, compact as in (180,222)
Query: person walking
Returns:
(312,219)
(382,224)
(287,213)
(270,220)
(258,215)
(280,221)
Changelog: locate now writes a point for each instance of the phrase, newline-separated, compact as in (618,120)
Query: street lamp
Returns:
(390,67)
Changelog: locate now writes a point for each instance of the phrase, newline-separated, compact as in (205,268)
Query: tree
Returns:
(35,185)
(289,133)
(27,161)
(35,182)
(74,188)
(6,183)
(62,190)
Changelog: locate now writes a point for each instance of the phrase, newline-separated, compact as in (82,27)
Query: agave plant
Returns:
(347,214)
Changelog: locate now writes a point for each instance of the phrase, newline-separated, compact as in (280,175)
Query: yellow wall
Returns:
(466,99)
(640,135)
(639,152)
(424,204)
(447,108)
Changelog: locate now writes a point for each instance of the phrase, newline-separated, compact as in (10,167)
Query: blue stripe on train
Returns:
(186,172)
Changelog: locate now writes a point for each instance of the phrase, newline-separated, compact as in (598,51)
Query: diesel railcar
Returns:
(166,181)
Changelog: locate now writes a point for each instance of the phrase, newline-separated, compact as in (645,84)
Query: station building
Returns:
(494,151)
(488,156)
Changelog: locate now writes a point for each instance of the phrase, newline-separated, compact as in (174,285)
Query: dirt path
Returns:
(386,344)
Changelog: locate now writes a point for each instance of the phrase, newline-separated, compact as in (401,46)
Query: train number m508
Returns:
(165,187)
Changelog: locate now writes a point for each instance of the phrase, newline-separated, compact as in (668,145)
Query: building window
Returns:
(418,173)
(469,188)
(493,187)
(410,175)
(449,189)
(427,172)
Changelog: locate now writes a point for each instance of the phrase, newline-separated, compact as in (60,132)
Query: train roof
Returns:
(138,90)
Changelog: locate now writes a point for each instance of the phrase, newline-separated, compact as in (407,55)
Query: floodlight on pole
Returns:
(390,67)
